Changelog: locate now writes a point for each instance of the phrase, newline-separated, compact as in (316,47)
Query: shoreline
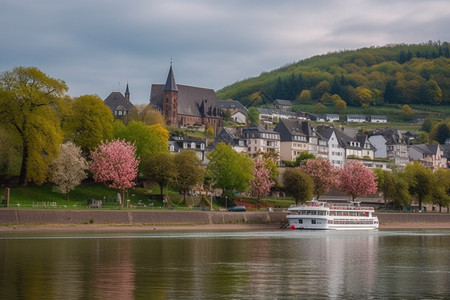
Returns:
(185,227)
(23,220)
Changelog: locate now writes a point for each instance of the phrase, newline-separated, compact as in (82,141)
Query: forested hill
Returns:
(393,74)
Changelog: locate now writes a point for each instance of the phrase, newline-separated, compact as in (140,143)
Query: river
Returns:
(279,264)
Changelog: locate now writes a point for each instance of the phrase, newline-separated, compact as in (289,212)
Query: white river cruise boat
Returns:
(323,215)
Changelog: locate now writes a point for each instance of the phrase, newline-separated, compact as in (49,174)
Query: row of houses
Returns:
(382,148)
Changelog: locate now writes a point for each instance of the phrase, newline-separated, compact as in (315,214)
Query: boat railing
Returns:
(349,207)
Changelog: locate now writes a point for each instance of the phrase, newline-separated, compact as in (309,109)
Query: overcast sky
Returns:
(97,47)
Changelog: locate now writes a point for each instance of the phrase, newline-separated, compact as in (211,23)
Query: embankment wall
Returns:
(50,216)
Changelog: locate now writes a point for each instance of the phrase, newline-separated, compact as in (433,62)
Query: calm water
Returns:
(227,265)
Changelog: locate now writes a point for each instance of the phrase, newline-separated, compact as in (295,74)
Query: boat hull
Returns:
(300,222)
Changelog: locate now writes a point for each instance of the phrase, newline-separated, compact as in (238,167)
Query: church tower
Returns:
(127,93)
(170,100)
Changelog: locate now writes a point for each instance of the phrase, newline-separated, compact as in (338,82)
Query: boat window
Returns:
(313,221)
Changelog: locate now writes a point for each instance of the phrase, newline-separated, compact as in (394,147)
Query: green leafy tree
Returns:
(433,92)
(228,169)
(320,89)
(149,140)
(146,114)
(30,109)
(365,97)
(159,168)
(428,124)
(89,123)
(341,106)
(253,116)
(298,184)
(441,190)
(440,132)
(305,96)
(319,108)
(407,112)
(393,188)
(9,152)
(189,172)
(420,182)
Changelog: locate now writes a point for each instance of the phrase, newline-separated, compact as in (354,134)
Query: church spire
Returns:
(127,93)
(170,82)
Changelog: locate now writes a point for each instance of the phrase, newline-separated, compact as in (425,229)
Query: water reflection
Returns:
(226,265)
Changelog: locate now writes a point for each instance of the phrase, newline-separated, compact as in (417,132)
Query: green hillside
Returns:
(417,74)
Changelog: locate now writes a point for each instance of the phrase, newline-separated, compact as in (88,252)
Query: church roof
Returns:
(116,99)
(170,82)
(191,99)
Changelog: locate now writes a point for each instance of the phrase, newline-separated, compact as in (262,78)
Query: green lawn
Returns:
(44,197)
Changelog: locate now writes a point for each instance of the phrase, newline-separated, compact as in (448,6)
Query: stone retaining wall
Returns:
(49,216)
(35,216)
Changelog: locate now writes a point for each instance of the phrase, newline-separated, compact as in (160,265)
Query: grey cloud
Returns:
(99,46)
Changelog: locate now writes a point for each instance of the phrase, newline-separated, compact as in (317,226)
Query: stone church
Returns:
(184,105)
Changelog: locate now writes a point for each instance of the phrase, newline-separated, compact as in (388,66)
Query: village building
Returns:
(378,119)
(237,110)
(431,156)
(356,118)
(390,144)
(282,104)
(233,137)
(261,140)
(296,137)
(184,105)
(119,104)
(199,146)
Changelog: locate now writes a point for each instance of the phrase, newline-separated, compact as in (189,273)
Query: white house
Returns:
(239,117)
(378,119)
(356,118)
(332,117)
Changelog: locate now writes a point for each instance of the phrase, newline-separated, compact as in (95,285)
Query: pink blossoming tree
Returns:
(115,164)
(357,180)
(323,173)
(261,183)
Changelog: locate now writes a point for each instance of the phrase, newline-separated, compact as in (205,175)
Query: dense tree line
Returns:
(394,74)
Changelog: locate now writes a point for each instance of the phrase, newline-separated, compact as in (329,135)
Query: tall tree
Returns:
(145,113)
(407,112)
(149,140)
(159,168)
(68,169)
(298,184)
(420,182)
(30,106)
(89,123)
(393,188)
(261,183)
(356,180)
(324,175)
(440,132)
(253,116)
(189,172)
(229,170)
(441,190)
(305,96)
(115,164)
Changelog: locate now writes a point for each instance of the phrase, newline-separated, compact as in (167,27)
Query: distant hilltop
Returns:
(392,74)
